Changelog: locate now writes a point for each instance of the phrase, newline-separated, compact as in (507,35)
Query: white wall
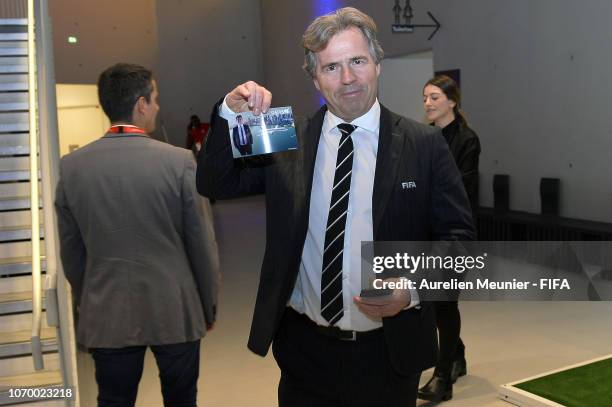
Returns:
(80,117)
(205,49)
(535,85)
(535,82)
(108,32)
(534,73)
(401,83)
(197,49)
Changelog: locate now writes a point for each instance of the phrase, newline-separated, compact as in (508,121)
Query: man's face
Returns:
(151,110)
(347,75)
(239,120)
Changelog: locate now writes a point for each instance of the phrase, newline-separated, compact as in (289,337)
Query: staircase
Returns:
(31,352)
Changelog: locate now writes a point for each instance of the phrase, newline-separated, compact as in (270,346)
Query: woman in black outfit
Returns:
(442,100)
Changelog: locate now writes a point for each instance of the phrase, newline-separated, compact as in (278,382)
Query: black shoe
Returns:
(438,388)
(459,369)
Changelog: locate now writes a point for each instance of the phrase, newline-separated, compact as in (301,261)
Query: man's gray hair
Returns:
(323,28)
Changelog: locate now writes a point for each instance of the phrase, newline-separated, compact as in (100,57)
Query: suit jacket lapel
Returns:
(310,146)
(388,157)
(308,138)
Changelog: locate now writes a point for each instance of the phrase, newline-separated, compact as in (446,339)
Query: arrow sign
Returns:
(409,28)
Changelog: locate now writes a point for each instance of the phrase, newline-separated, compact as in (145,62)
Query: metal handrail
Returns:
(58,297)
(34,201)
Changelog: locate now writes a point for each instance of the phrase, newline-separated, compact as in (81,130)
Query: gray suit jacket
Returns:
(137,243)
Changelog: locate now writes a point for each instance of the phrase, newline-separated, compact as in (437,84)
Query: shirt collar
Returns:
(370,121)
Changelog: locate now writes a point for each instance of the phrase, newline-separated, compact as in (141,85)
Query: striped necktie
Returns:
(331,278)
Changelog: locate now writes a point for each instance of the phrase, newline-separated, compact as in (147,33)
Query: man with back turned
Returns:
(137,246)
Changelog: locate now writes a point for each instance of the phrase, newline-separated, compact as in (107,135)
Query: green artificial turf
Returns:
(585,386)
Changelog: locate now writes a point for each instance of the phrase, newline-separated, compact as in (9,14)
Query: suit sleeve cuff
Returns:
(414,300)
(225,112)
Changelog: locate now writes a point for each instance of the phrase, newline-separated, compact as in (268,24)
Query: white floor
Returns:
(505,341)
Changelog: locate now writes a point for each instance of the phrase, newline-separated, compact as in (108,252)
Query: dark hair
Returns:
(452,92)
(120,87)
(194,121)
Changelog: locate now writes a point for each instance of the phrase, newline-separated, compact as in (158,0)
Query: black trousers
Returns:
(320,371)
(118,373)
(448,320)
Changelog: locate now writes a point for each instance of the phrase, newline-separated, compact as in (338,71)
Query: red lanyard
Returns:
(127,129)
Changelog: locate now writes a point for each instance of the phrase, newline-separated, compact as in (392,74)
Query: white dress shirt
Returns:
(306,296)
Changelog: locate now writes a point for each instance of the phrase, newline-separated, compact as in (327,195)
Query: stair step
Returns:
(13,87)
(14,121)
(10,127)
(14,65)
(19,342)
(7,338)
(14,163)
(34,379)
(23,232)
(15,168)
(14,176)
(14,101)
(18,366)
(25,347)
(16,284)
(18,249)
(14,189)
(20,322)
(13,21)
(7,204)
(11,303)
(14,203)
(17,296)
(13,81)
(18,265)
(13,48)
(18,218)
(14,150)
(14,36)
(14,143)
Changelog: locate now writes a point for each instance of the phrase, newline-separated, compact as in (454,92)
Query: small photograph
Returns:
(264,134)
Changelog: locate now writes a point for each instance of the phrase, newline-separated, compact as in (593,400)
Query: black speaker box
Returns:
(549,195)
(501,192)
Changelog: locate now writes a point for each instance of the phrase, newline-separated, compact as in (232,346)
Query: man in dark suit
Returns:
(344,185)
(242,137)
(138,247)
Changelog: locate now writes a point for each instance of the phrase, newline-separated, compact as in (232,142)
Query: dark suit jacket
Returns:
(137,243)
(465,149)
(437,209)
(236,136)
